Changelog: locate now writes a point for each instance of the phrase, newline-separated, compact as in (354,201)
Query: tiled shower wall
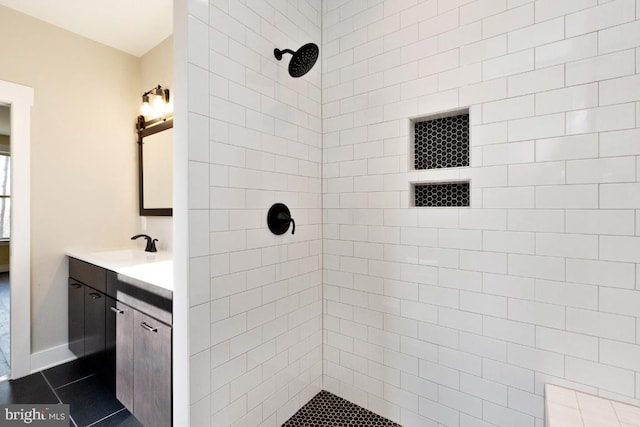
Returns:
(459,316)
(255,139)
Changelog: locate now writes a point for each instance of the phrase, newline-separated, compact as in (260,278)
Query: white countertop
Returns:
(153,268)
(569,408)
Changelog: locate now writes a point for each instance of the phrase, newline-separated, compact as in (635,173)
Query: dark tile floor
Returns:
(5,306)
(90,402)
(326,409)
(93,405)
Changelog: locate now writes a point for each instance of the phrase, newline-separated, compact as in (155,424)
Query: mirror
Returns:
(155,165)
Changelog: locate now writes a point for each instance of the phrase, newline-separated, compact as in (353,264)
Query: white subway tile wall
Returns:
(428,316)
(458,316)
(256,139)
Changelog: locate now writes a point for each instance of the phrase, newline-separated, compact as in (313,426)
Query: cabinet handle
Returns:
(76,285)
(94,295)
(116,310)
(148,328)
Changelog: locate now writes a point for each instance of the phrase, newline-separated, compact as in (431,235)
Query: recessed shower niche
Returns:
(438,142)
(441,194)
(441,141)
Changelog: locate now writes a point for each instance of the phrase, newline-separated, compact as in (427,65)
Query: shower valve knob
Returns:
(279,218)
(284,217)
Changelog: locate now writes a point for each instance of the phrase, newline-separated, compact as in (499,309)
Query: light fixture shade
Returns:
(145,109)
(158,105)
(155,102)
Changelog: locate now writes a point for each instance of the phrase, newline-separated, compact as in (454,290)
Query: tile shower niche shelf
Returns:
(438,142)
(441,194)
(441,141)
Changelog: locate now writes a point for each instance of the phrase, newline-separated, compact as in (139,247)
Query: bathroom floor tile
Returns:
(119,419)
(89,400)
(61,375)
(326,409)
(29,389)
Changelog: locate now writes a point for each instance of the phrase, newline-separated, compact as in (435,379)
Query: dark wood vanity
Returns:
(122,328)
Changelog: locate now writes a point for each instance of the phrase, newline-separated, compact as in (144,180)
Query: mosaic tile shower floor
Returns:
(328,410)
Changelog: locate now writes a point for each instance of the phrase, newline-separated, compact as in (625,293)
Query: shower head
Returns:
(302,60)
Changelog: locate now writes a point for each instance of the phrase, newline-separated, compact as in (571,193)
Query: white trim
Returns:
(51,357)
(20,98)
(181,372)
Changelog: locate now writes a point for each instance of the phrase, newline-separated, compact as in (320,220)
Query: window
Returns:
(5,196)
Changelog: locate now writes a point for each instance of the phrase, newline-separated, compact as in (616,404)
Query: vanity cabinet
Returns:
(124,331)
(76,317)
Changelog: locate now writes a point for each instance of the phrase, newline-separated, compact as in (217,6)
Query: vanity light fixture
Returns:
(155,102)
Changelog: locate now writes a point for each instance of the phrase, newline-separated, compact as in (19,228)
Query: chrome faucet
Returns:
(151,242)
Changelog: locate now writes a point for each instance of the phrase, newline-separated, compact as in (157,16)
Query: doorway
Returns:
(19,100)
(5,240)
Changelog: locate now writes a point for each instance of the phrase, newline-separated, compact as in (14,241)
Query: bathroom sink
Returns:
(131,256)
(119,258)
(156,273)
(154,268)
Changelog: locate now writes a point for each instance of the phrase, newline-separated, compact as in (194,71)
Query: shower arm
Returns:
(278,53)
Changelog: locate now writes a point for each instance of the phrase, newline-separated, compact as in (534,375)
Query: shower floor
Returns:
(326,409)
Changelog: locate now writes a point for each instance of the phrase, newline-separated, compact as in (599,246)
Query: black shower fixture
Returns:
(279,218)
(302,60)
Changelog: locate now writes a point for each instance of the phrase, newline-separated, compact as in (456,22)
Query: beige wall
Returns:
(156,68)
(83,154)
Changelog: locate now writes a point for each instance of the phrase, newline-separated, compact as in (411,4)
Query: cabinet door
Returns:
(124,355)
(94,317)
(76,317)
(108,370)
(152,371)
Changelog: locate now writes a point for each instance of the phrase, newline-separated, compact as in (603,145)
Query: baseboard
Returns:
(4,268)
(51,357)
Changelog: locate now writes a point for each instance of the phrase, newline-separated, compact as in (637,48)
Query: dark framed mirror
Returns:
(155,166)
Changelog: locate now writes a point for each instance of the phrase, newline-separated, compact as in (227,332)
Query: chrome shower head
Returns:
(302,61)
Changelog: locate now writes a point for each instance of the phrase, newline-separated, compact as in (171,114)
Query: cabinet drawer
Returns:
(146,307)
(88,274)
